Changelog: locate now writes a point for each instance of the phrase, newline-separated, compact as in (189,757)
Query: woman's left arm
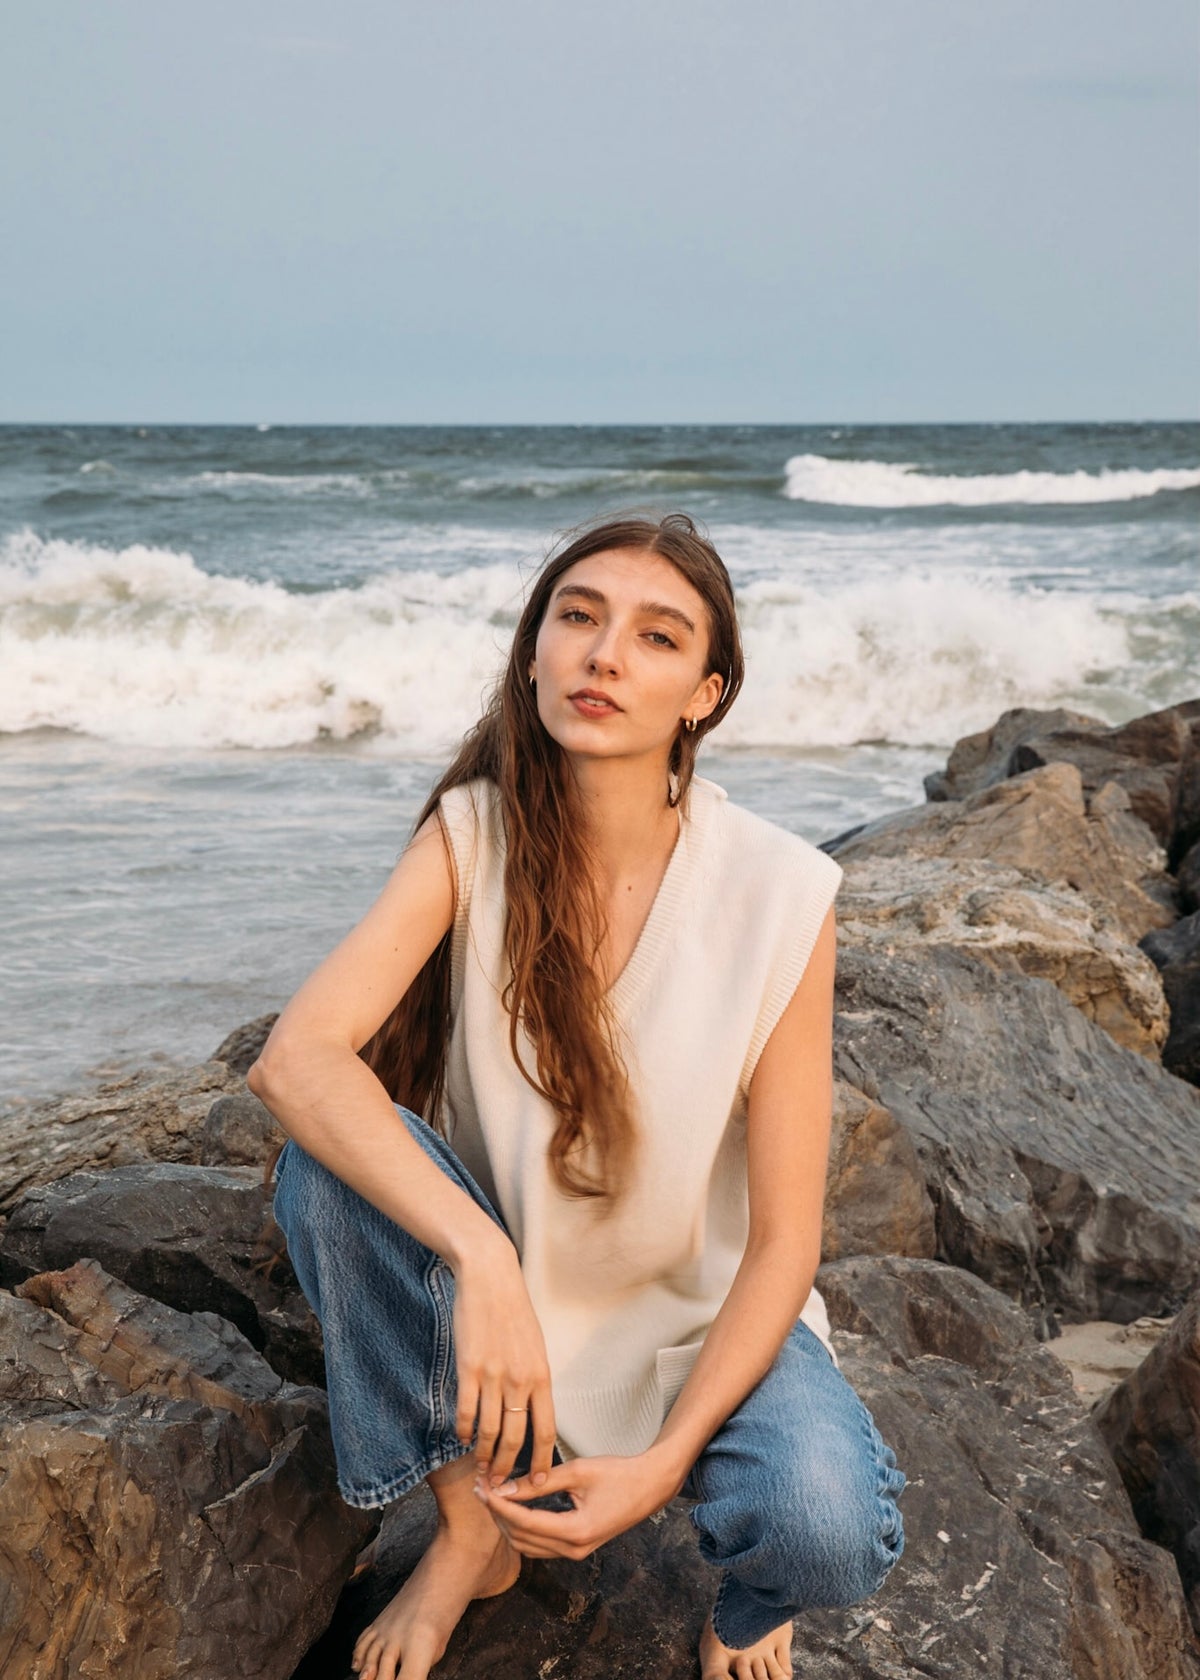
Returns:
(787,1148)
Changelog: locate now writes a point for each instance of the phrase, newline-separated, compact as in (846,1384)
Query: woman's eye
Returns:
(661,639)
(575,615)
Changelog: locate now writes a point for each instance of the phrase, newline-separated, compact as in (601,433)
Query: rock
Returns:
(199,1239)
(1154,758)
(1022,1556)
(985,758)
(239,1131)
(1063,1168)
(240,1050)
(141,1117)
(1008,918)
(1176,950)
(1152,1425)
(876,1201)
(1039,822)
(1185,816)
(1143,756)
(168,1504)
(1188,879)
(1101,1354)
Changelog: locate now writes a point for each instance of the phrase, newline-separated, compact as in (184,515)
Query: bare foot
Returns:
(770,1659)
(465,1560)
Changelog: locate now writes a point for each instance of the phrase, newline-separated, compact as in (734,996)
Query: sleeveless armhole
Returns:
(811,887)
(459,817)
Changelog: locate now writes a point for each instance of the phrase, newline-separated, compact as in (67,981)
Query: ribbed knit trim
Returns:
(460,819)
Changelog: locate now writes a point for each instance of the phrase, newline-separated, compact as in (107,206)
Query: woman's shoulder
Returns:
(469,814)
(469,803)
(745,836)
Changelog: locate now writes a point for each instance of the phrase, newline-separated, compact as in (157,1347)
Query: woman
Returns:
(612,991)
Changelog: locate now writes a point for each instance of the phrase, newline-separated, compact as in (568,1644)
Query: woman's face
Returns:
(622,656)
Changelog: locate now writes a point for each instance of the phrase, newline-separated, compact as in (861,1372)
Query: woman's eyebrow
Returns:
(651,609)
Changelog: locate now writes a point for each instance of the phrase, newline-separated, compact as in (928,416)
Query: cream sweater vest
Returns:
(625,1303)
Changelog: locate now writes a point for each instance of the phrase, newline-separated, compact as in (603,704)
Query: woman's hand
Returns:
(610,1495)
(501,1363)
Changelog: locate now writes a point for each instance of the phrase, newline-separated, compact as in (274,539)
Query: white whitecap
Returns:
(285,484)
(896,484)
(141,645)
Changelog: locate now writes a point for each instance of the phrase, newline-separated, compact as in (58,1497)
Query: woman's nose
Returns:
(605,652)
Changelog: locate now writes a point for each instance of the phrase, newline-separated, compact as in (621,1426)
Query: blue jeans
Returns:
(795,1493)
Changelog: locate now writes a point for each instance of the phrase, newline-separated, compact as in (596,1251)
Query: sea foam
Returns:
(142,645)
(888,484)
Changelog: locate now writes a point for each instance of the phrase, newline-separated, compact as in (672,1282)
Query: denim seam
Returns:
(439,1371)
(885,1480)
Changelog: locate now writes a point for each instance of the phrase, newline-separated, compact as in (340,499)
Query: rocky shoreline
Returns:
(1015,1174)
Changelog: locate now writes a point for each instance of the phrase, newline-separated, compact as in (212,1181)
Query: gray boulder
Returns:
(239,1050)
(1062,1168)
(1144,756)
(1176,951)
(1011,919)
(239,1131)
(168,1504)
(1151,1422)
(1155,758)
(876,1201)
(986,757)
(200,1239)
(140,1117)
(1041,823)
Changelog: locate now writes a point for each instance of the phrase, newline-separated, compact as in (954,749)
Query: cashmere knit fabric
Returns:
(625,1302)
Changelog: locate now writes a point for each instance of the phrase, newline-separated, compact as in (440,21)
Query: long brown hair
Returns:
(555,922)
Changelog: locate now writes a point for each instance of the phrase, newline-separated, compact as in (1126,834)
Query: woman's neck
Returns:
(626,815)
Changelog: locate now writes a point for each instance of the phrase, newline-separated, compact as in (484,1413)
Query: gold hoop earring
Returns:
(532,680)
(690,725)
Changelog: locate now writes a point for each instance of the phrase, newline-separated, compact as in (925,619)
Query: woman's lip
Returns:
(593,705)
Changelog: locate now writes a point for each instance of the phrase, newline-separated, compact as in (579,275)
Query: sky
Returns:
(647,210)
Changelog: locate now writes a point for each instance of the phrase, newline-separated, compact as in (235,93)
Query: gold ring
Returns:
(516,1408)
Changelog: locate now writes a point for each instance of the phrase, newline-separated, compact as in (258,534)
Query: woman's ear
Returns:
(707,697)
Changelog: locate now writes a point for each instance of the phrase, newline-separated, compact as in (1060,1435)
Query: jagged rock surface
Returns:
(1063,1169)
(1011,919)
(1042,823)
(141,1117)
(239,1131)
(197,1238)
(1146,757)
(239,1050)
(168,1504)
(1022,1557)
(1176,951)
(986,757)
(1154,758)
(876,1201)
(1151,1422)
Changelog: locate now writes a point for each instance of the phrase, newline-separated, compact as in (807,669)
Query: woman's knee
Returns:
(820,1531)
(843,1532)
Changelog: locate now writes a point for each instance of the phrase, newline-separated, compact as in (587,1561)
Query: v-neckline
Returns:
(639,965)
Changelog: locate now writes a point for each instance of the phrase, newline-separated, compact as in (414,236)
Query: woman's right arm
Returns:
(311,1077)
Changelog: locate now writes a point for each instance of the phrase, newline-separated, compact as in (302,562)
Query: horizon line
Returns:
(592,425)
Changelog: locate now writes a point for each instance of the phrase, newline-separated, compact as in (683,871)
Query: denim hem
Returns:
(729,1581)
(371,1498)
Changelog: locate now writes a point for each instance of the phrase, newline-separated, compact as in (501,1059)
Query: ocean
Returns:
(232,660)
